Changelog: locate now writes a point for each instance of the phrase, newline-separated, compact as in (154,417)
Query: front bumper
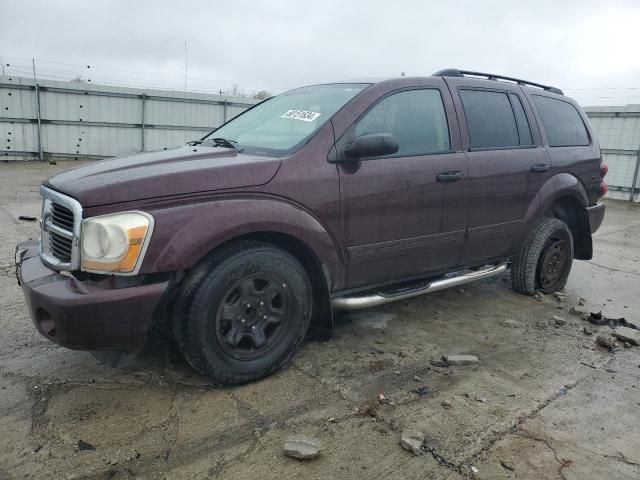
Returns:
(596,215)
(82,315)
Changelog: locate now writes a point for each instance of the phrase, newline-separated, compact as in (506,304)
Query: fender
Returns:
(560,185)
(184,234)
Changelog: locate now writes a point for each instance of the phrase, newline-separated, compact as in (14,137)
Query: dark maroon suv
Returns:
(337,196)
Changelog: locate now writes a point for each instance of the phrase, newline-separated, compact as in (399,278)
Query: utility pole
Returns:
(37,91)
(185,83)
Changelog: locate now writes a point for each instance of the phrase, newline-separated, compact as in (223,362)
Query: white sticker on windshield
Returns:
(303,115)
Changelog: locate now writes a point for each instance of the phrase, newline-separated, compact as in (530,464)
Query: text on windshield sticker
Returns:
(303,115)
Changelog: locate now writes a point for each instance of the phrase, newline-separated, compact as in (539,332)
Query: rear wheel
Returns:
(246,313)
(544,261)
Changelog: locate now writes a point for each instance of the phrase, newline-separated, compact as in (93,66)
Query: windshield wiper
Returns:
(226,143)
(193,143)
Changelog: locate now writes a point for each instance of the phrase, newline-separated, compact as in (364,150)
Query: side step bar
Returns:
(393,295)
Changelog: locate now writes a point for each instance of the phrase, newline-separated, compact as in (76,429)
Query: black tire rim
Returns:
(253,317)
(553,263)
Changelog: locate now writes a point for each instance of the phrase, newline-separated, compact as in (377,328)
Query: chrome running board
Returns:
(418,288)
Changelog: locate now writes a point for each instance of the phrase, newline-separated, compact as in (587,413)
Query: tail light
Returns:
(604,169)
(603,188)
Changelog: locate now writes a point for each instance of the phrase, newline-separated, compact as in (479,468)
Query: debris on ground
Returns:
(382,397)
(302,447)
(439,363)
(582,302)
(606,341)
(27,218)
(628,335)
(416,378)
(539,296)
(412,441)
(460,359)
(397,372)
(626,345)
(446,405)
(476,398)
(558,321)
(578,311)
(422,391)
(82,445)
(598,318)
(588,331)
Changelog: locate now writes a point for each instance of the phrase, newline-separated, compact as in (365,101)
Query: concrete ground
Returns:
(544,402)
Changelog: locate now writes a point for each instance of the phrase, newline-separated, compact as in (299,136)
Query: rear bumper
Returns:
(82,315)
(596,215)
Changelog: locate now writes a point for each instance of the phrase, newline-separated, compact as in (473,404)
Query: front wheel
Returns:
(544,261)
(246,315)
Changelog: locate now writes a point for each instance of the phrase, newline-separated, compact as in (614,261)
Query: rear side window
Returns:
(524,130)
(561,121)
(416,118)
(490,119)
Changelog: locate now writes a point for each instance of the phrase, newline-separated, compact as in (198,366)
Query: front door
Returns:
(405,214)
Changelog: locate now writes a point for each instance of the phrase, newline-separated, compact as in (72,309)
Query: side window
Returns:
(415,117)
(524,130)
(490,119)
(561,121)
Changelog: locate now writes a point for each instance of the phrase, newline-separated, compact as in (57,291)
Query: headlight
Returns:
(115,243)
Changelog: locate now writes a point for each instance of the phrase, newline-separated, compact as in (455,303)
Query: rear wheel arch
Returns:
(563,197)
(572,212)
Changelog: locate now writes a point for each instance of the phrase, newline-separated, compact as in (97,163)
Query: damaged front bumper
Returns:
(85,315)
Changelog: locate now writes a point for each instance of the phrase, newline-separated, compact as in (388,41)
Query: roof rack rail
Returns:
(454,72)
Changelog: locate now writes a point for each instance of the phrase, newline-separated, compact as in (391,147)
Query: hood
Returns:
(164,173)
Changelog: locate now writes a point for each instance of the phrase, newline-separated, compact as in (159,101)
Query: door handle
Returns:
(446,177)
(540,167)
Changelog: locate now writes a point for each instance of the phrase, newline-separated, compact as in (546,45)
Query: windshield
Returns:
(280,125)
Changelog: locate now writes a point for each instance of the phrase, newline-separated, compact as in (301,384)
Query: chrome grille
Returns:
(61,218)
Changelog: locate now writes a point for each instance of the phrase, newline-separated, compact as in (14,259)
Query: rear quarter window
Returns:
(561,121)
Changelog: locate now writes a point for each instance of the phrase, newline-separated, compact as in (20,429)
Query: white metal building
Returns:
(618,131)
(82,120)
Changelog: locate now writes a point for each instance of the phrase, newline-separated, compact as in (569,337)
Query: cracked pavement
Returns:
(543,403)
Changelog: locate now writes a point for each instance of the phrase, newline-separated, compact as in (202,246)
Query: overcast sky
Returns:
(588,48)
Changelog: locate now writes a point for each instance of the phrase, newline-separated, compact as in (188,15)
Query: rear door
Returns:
(402,215)
(507,164)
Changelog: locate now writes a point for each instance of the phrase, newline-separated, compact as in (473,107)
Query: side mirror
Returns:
(371,145)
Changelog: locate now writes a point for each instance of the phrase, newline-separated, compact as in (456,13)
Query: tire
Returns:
(243,313)
(544,260)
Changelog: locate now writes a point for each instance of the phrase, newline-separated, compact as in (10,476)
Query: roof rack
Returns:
(454,72)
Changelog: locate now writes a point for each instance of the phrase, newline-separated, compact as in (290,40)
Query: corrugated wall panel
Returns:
(159,138)
(181,114)
(621,168)
(81,119)
(77,140)
(18,136)
(90,108)
(617,132)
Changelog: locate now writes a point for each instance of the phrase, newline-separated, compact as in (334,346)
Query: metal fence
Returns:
(51,119)
(618,131)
